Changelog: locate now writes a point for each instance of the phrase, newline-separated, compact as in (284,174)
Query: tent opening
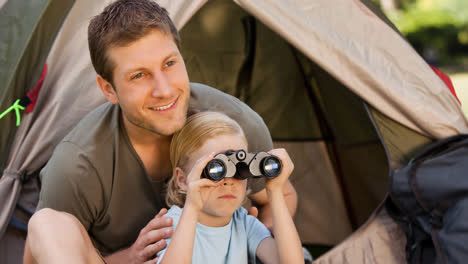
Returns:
(340,164)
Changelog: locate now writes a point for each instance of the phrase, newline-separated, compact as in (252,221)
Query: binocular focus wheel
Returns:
(241,155)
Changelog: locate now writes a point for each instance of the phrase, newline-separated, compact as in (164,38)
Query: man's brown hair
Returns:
(121,23)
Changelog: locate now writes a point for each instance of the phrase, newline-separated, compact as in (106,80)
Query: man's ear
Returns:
(107,89)
(181,179)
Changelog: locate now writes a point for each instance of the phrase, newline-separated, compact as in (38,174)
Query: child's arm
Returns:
(286,247)
(180,248)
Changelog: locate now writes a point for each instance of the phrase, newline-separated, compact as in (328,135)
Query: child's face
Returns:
(229,195)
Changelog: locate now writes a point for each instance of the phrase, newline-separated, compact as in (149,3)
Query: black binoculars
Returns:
(242,165)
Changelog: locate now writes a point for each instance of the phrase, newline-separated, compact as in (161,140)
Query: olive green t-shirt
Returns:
(96,175)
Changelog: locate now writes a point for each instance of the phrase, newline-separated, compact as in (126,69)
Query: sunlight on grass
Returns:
(460,82)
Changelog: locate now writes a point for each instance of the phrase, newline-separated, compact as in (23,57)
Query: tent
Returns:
(335,82)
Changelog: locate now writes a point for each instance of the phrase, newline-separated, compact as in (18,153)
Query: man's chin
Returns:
(168,130)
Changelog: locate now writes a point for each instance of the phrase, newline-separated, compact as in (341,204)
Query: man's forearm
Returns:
(121,256)
(260,200)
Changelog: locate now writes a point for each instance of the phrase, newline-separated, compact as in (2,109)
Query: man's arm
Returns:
(150,241)
(70,184)
(260,200)
(58,237)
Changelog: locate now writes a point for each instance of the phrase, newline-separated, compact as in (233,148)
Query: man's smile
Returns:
(164,107)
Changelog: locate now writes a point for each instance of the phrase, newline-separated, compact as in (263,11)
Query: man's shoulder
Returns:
(95,128)
(206,98)
(85,148)
(79,160)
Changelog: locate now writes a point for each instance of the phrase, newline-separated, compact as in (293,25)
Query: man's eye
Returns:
(170,63)
(137,76)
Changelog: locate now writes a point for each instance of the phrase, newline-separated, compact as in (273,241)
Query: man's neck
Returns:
(153,150)
(142,136)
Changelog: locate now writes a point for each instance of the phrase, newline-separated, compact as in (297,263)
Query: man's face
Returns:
(151,84)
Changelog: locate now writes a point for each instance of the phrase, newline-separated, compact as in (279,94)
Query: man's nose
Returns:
(161,85)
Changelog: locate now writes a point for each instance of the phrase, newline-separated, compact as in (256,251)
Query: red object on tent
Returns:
(446,80)
(34,93)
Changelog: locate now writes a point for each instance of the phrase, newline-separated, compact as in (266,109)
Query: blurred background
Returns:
(438,30)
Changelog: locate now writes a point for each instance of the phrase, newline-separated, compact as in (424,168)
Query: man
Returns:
(109,172)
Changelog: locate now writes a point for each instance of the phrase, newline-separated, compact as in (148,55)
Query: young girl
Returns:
(212,227)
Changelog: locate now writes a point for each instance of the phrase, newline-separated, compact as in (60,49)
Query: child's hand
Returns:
(277,183)
(199,189)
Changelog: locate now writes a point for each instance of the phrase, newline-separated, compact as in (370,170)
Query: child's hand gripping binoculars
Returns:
(242,165)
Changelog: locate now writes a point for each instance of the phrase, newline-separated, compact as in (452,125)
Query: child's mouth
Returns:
(227,196)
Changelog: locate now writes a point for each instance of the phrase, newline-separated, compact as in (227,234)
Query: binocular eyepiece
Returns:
(242,165)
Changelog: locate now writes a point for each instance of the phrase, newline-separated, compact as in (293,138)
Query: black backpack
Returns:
(429,200)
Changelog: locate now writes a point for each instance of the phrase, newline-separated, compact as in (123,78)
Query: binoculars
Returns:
(242,165)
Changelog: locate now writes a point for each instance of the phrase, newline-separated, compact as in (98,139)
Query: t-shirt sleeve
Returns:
(161,253)
(70,184)
(174,213)
(256,232)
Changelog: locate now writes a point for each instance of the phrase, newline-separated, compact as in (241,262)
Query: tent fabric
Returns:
(447,81)
(34,93)
(400,142)
(249,60)
(321,216)
(35,36)
(253,63)
(368,57)
(28,30)
(353,54)
(380,240)
(51,107)
(12,242)
(181,10)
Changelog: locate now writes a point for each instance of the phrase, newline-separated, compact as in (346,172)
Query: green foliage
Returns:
(414,19)
(458,8)
(439,25)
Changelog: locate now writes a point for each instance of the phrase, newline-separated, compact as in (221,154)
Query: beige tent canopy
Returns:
(334,81)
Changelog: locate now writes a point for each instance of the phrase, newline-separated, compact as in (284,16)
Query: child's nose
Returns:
(228,181)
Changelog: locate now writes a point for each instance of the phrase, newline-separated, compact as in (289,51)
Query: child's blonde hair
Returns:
(197,130)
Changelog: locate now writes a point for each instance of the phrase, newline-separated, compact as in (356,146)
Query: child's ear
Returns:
(181,179)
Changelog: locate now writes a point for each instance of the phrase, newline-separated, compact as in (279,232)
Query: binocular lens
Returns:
(271,167)
(215,170)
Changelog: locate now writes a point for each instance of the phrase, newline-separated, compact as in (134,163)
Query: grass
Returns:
(460,82)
